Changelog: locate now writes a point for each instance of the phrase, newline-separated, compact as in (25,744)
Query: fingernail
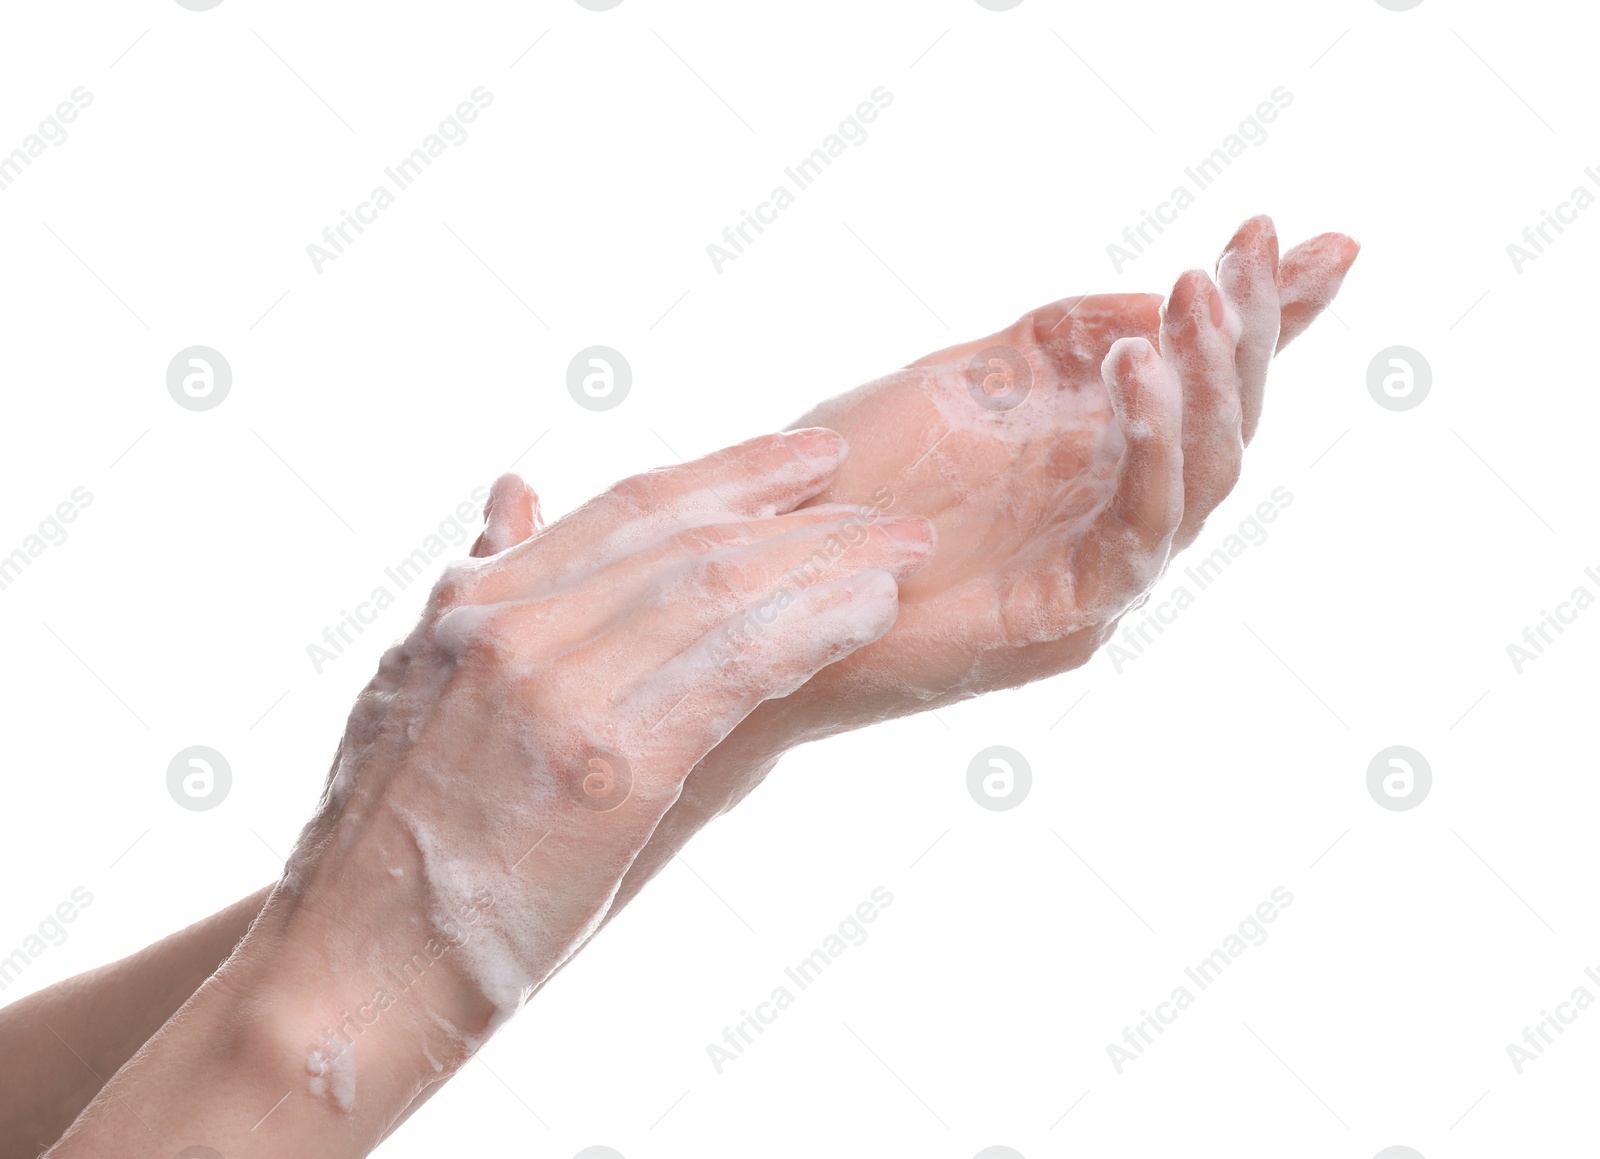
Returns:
(872,584)
(817,443)
(1214,297)
(908,531)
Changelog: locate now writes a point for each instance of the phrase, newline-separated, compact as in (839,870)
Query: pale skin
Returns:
(1052,517)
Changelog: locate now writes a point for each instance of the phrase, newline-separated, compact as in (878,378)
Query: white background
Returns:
(1223,762)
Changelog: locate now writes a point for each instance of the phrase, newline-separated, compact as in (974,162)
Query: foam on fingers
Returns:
(1309,278)
(647,592)
(1099,572)
(759,478)
(511,516)
(1147,399)
(717,585)
(1247,273)
(1199,334)
(770,649)
(755,479)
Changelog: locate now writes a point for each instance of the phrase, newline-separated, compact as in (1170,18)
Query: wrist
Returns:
(381,987)
(331,1029)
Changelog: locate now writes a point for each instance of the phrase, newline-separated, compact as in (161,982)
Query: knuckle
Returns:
(453,588)
(478,637)
(482,651)
(645,494)
(392,667)
(719,575)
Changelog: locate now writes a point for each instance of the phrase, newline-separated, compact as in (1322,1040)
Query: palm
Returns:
(1015,485)
(1010,445)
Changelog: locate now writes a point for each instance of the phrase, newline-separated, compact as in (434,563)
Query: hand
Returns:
(1062,462)
(516,752)
(523,743)
(495,783)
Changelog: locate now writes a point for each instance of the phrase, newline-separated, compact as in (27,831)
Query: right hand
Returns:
(522,745)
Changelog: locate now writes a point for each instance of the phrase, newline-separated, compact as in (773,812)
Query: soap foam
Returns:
(333,1076)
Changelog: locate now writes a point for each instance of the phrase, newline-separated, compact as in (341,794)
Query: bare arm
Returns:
(106,1014)
(495,783)
(57,1046)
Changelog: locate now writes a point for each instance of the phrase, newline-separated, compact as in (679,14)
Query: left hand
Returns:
(1054,516)
(1118,426)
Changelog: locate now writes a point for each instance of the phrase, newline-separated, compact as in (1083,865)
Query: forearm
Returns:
(727,773)
(231,1071)
(58,1046)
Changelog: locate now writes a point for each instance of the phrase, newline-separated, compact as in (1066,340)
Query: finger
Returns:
(1114,561)
(1199,333)
(705,691)
(1247,272)
(644,568)
(758,478)
(510,516)
(1147,400)
(1308,279)
(764,575)
(558,620)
